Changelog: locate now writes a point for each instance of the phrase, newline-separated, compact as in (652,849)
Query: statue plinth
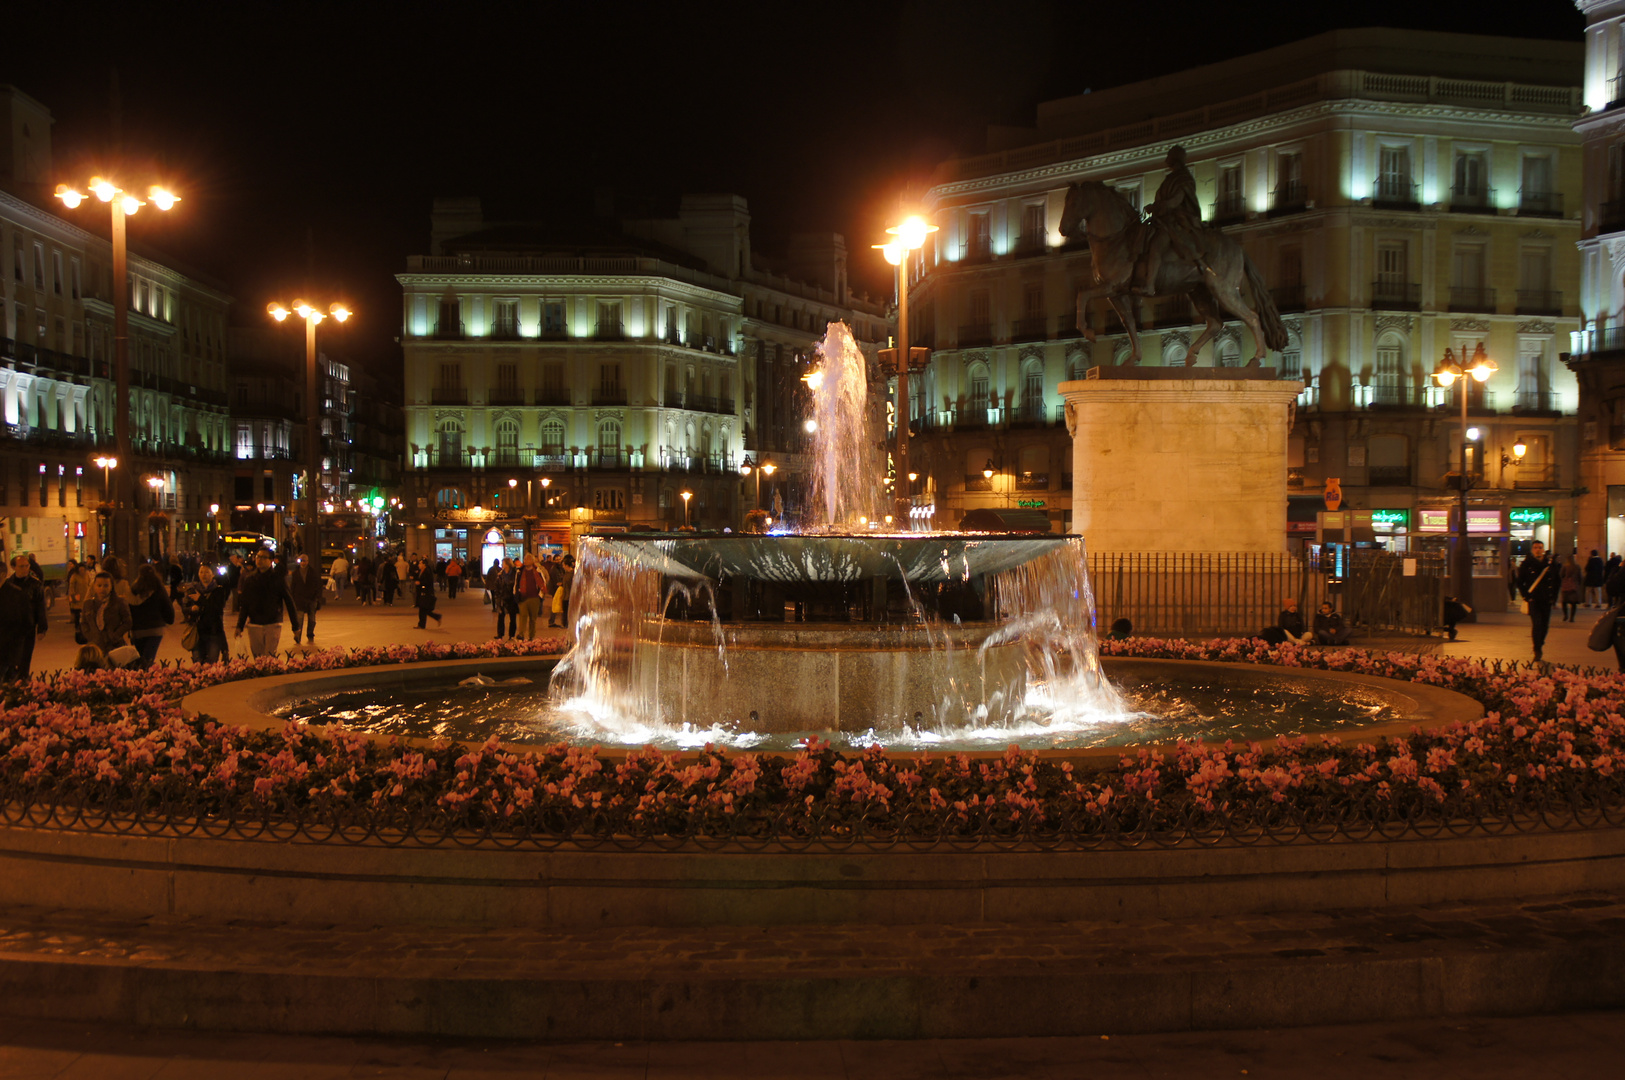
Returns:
(1180,459)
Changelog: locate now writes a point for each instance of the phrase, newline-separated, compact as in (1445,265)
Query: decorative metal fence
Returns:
(1198,593)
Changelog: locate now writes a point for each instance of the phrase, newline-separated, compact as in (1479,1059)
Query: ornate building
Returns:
(56,382)
(594,371)
(1400,199)
(1597,354)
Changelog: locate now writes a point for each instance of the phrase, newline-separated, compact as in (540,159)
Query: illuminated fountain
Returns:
(837,627)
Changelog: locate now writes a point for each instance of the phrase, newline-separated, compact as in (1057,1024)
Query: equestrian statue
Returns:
(1171,254)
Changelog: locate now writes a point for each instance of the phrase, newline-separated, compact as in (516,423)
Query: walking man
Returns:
(1538,582)
(22,619)
(306,584)
(265,597)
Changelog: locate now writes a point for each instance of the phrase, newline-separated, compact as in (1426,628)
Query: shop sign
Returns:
(1433,521)
(1030,504)
(1531,515)
(1390,519)
(1484,521)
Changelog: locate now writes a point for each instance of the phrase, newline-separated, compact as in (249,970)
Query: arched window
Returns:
(977,385)
(1032,390)
(1389,384)
(1174,354)
(1229,352)
(507,442)
(1292,358)
(451,442)
(705,443)
(1076,366)
(609,444)
(449,498)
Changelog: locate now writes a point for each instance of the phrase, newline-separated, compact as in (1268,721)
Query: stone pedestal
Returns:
(1180,459)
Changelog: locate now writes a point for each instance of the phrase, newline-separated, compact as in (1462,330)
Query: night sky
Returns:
(331,127)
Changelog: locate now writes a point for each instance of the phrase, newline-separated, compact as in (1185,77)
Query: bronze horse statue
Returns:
(1117,240)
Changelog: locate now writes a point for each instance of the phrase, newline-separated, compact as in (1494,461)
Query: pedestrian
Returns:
(340,570)
(1611,566)
(264,598)
(1329,628)
(1291,623)
(561,596)
(150,612)
(425,599)
(1596,577)
(365,583)
(105,621)
(500,583)
(22,619)
(454,577)
(389,580)
(121,585)
(203,605)
(308,588)
(1454,612)
(78,587)
(1538,582)
(530,586)
(1573,587)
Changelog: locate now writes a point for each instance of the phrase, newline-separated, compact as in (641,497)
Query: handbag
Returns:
(1601,637)
(189,637)
(123,656)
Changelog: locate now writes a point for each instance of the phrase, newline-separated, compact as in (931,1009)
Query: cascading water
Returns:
(837,630)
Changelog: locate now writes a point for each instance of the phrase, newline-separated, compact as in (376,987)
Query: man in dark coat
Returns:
(1596,577)
(306,584)
(265,596)
(22,619)
(425,598)
(1538,583)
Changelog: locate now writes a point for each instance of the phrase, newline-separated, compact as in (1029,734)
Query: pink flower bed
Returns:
(119,743)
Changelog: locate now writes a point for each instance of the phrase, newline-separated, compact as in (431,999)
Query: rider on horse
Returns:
(1176,217)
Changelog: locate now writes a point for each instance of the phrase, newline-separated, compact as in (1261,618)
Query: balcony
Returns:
(1396,296)
(1289,198)
(1174,311)
(1388,476)
(607,459)
(505,395)
(977,251)
(1288,298)
(1394,193)
(554,332)
(1540,204)
(1033,414)
(1068,325)
(1032,481)
(1611,216)
(504,330)
(448,330)
(609,331)
(1536,403)
(1228,210)
(1532,476)
(449,457)
(975,335)
(1472,200)
(1472,298)
(1031,328)
(550,459)
(609,395)
(1539,302)
(510,456)
(978,482)
(973,415)
(1596,343)
(553,395)
(1029,246)
(1616,91)
(673,401)
(449,395)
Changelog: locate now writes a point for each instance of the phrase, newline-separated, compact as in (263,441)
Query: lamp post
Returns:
(122,204)
(1448,373)
(156,483)
(687,495)
(106,464)
(910,236)
(313,418)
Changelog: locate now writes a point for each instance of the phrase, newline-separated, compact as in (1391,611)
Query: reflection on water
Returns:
(1156,711)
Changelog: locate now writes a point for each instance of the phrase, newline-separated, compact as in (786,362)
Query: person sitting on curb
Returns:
(1291,623)
(1329,628)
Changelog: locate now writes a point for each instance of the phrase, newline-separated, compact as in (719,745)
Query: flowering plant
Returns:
(82,747)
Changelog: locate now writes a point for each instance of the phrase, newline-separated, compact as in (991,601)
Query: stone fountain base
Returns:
(822,677)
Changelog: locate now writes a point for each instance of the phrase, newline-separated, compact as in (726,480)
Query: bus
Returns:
(244,544)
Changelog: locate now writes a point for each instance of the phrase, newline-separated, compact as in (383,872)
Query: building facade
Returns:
(1597,353)
(1400,200)
(56,378)
(592,373)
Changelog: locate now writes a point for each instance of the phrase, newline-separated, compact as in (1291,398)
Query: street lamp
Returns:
(1480,368)
(122,204)
(687,495)
(313,419)
(105,464)
(909,236)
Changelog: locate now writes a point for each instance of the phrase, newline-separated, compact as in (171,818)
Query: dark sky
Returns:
(340,122)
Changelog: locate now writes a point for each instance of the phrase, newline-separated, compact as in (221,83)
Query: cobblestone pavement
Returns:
(752,952)
(1573,1047)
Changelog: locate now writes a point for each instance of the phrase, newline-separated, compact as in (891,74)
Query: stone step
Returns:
(852,981)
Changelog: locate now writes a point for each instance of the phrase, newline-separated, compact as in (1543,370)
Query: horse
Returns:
(1117,239)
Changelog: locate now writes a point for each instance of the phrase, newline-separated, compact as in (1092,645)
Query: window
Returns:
(78,285)
(449,322)
(1032,392)
(1534,269)
(1389,381)
(508,378)
(56,272)
(978,238)
(17,258)
(553,392)
(1289,189)
(979,307)
(39,266)
(609,378)
(1230,203)
(449,498)
(609,443)
(1394,175)
(1032,228)
(1471,184)
(1536,195)
(609,320)
(1131,193)
(552,438)
(1174,354)
(1032,300)
(552,318)
(505,322)
(1533,380)
(451,376)
(507,442)
(978,390)
(451,442)
(1229,352)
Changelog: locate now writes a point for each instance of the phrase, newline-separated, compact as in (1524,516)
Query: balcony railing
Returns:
(1607,339)
(606,459)
(1536,402)
(973,335)
(609,395)
(504,330)
(1396,295)
(977,251)
(1174,311)
(1029,246)
(1472,200)
(449,457)
(1539,302)
(1229,209)
(505,395)
(1032,481)
(1540,204)
(510,456)
(609,331)
(1289,198)
(1395,194)
(1288,298)
(1531,475)
(973,415)
(673,401)
(978,482)
(553,395)
(449,330)
(1031,328)
(449,395)
(1389,475)
(1032,414)
(1472,298)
